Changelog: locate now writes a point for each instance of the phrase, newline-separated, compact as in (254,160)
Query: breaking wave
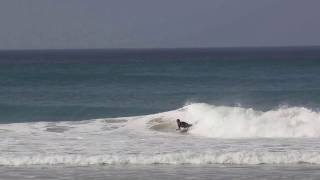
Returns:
(237,122)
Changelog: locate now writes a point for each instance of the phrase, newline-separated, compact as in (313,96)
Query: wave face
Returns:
(219,135)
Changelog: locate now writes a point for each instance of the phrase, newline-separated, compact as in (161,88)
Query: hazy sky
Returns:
(34,24)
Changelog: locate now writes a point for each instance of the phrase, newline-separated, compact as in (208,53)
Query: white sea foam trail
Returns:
(218,157)
(237,122)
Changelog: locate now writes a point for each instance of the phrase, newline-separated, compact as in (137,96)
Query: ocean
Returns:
(111,113)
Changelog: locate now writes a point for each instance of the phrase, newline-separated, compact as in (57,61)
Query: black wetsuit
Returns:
(182,124)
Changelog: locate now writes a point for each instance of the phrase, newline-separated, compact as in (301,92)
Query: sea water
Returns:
(112,113)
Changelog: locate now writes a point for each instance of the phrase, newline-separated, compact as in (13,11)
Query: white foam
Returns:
(237,122)
(218,157)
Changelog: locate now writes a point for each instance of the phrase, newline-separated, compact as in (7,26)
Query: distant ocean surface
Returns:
(248,106)
(60,85)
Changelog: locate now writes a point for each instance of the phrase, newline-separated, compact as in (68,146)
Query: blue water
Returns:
(63,85)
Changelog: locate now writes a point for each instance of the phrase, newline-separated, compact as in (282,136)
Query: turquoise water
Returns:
(60,85)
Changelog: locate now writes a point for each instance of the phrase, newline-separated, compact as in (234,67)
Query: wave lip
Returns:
(240,157)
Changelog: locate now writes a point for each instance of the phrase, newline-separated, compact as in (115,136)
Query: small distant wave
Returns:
(218,157)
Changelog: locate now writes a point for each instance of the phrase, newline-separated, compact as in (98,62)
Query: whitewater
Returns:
(219,135)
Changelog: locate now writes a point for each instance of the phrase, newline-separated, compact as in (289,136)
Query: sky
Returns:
(77,24)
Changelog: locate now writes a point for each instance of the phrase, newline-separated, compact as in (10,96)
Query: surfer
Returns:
(183,125)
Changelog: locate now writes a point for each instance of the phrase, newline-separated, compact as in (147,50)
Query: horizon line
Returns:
(163,48)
